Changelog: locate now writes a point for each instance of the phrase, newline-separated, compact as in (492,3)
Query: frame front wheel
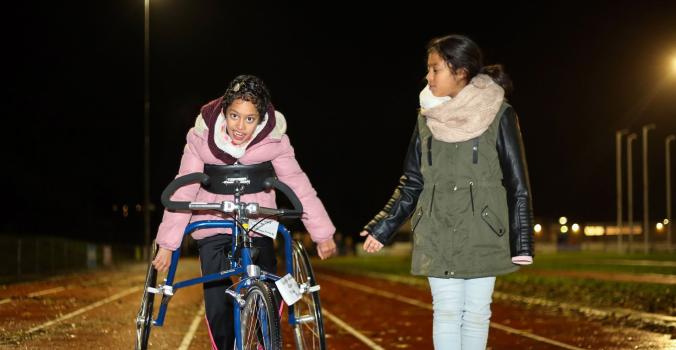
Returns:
(259,320)
(309,327)
(144,318)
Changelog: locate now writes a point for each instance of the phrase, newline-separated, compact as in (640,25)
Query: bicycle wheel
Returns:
(259,323)
(144,318)
(309,327)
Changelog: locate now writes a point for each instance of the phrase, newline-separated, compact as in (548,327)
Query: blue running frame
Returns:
(235,271)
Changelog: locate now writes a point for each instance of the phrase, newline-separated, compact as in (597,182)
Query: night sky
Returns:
(346,78)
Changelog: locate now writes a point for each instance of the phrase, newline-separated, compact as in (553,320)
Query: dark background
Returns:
(346,77)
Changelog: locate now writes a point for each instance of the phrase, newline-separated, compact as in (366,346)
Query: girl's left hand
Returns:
(371,245)
(326,249)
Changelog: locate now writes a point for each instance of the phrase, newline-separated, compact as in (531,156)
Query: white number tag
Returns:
(267,228)
(289,289)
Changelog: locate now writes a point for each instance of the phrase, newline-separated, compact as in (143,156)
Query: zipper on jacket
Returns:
(429,150)
(471,195)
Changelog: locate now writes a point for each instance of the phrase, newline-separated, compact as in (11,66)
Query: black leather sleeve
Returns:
(515,179)
(405,196)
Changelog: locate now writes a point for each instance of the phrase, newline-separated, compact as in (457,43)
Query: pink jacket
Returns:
(274,147)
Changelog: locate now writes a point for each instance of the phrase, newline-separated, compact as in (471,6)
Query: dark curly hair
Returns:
(248,88)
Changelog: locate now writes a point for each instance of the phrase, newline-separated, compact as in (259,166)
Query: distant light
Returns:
(138,208)
(576,228)
(564,229)
(563,220)
(666,221)
(537,228)
(125,210)
(594,230)
(659,226)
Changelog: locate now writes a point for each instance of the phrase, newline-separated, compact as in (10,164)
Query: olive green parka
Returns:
(470,201)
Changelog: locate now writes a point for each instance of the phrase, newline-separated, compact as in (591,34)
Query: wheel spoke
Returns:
(309,329)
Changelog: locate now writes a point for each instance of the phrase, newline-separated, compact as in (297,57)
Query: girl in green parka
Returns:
(466,184)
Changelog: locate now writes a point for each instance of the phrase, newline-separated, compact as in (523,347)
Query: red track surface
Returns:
(97,310)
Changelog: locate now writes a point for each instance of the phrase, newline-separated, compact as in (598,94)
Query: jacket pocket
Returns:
(489,217)
(434,188)
(416,219)
(471,195)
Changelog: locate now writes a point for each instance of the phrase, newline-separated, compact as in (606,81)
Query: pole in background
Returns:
(630,189)
(670,222)
(646,226)
(618,178)
(146,135)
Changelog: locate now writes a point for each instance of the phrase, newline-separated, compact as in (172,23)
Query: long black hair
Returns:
(461,52)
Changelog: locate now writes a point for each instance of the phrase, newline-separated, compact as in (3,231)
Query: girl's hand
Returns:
(326,249)
(162,259)
(522,260)
(371,245)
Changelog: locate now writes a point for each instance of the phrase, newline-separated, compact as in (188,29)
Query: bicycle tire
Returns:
(259,322)
(309,329)
(144,318)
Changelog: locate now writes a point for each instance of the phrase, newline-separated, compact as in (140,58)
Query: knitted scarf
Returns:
(468,114)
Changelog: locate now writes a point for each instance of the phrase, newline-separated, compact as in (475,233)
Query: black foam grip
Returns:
(178,183)
(293,214)
(288,192)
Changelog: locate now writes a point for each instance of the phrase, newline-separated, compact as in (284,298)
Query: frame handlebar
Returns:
(178,183)
(225,206)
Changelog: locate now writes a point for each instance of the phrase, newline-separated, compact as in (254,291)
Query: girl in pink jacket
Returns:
(240,127)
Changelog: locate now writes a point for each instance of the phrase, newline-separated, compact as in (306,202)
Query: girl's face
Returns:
(441,79)
(241,120)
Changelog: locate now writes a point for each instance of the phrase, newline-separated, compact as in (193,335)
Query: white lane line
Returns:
(644,317)
(187,339)
(628,262)
(533,336)
(418,303)
(4,301)
(86,308)
(351,330)
(381,293)
(46,291)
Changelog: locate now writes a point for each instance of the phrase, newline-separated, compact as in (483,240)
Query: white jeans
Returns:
(462,312)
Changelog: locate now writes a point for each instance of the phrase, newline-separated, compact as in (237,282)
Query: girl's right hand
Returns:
(162,259)
(371,245)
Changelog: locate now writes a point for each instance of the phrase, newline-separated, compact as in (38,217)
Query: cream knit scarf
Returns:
(468,114)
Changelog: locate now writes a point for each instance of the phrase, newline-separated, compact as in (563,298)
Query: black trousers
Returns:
(213,258)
